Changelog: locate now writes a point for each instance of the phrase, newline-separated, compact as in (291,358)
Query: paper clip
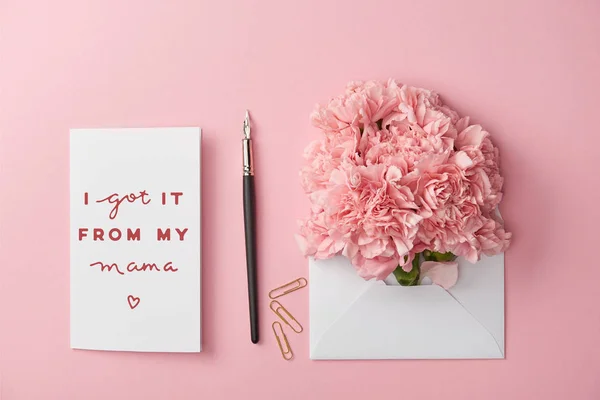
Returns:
(288,288)
(286,317)
(282,341)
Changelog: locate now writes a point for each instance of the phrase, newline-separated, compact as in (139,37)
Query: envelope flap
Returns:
(333,288)
(480,289)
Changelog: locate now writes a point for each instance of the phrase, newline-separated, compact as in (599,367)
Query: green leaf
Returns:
(410,278)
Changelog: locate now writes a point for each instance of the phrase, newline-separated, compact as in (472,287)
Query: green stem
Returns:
(410,278)
(440,257)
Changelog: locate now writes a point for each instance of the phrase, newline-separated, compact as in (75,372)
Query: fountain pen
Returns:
(250,228)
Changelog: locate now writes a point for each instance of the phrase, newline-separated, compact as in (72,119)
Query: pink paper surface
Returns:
(526,70)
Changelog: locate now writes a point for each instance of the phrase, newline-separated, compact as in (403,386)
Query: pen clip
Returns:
(285,316)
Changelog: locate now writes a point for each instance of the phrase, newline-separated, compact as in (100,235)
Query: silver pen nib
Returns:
(247,148)
(247,126)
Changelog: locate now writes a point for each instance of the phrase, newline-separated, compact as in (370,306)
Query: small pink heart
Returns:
(133,301)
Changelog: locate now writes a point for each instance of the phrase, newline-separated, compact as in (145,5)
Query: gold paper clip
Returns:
(288,288)
(282,341)
(285,316)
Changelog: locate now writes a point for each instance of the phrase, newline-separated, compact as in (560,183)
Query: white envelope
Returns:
(351,318)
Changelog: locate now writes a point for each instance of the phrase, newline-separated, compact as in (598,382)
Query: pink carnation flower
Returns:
(368,214)
(361,105)
(423,107)
(403,143)
(475,143)
(396,173)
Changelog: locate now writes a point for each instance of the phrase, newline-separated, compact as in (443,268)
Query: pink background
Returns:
(526,70)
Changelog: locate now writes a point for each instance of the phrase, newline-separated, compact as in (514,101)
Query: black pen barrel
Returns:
(250,230)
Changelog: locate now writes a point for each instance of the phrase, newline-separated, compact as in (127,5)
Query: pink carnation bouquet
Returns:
(400,183)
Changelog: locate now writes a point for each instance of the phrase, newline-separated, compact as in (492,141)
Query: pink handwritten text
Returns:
(135,267)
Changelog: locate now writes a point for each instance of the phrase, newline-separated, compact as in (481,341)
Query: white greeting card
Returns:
(135,239)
